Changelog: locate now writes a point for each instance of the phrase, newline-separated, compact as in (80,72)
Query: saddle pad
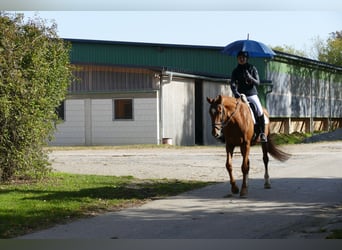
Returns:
(267,120)
(245,100)
(252,114)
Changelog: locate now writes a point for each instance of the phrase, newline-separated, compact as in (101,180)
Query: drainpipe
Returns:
(162,82)
(160,102)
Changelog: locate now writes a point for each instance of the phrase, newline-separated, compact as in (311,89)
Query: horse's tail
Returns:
(275,151)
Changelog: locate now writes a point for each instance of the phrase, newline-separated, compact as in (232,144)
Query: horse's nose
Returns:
(216,133)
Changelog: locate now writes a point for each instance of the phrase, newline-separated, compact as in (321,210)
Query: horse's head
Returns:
(217,113)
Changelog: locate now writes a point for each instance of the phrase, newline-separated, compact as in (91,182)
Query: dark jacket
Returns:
(243,82)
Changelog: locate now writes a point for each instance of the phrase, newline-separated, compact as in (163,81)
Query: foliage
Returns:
(34,75)
(60,198)
(331,51)
(335,234)
(290,50)
(293,138)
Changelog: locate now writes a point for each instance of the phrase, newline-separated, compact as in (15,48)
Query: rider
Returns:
(244,80)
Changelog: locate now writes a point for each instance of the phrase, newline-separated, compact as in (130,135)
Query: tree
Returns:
(331,50)
(35,72)
(289,50)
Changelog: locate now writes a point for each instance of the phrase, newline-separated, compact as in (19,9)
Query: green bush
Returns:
(35,72)
(293,138)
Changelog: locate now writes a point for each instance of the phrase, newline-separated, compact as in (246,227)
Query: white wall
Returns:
(141,130)
(211,90)
(178,111)
(90,122)
(72,130)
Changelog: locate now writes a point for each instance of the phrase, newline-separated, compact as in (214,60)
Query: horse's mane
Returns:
(232,103)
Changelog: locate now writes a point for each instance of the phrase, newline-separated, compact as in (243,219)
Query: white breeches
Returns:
(255,100)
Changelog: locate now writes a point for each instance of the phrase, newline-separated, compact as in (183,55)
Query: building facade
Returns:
(138,93)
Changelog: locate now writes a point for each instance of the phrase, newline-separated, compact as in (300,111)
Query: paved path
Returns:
(304,202)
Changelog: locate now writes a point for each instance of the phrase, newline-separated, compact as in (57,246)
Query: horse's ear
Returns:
(219,98)
(210,100)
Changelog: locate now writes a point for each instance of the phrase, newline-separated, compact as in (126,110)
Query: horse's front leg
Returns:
(229,166)
(245,169)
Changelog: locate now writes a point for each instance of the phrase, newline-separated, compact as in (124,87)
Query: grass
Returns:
(293,138)
(61,198)
(335,234)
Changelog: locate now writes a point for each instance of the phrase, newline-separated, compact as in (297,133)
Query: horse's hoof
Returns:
(235,190)
(243,193)
(267,186)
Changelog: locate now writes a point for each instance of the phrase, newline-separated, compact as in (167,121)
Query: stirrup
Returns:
(263,137)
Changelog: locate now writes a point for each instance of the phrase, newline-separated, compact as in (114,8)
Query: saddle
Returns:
(254,115)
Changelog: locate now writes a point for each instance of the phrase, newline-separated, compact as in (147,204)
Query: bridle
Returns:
(223,123)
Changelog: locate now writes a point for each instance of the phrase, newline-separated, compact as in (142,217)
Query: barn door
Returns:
(198,112)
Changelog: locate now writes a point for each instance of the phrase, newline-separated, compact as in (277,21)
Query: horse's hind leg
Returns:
(229,166)
(267,183)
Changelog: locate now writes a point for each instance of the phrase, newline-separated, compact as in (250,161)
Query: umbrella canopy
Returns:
(254,49)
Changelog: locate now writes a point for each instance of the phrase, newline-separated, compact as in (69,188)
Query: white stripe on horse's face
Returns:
(216,114)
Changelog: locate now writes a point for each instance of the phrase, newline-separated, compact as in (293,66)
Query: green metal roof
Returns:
(200,60)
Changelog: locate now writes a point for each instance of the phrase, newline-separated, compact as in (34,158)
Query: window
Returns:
(60,110)
(123,109)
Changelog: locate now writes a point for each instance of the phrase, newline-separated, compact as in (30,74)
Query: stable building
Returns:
(143,93)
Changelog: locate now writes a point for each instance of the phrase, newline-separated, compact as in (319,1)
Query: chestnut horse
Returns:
(232,121)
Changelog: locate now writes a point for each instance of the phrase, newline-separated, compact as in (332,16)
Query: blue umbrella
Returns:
(254,49)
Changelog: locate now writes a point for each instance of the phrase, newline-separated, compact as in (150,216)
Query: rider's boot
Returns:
(261,121)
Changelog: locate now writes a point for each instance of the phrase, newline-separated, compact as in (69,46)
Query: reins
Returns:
(224,124)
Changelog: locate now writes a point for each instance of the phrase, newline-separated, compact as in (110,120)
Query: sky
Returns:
(194,23)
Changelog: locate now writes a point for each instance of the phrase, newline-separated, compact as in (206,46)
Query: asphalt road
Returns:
(305,200)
